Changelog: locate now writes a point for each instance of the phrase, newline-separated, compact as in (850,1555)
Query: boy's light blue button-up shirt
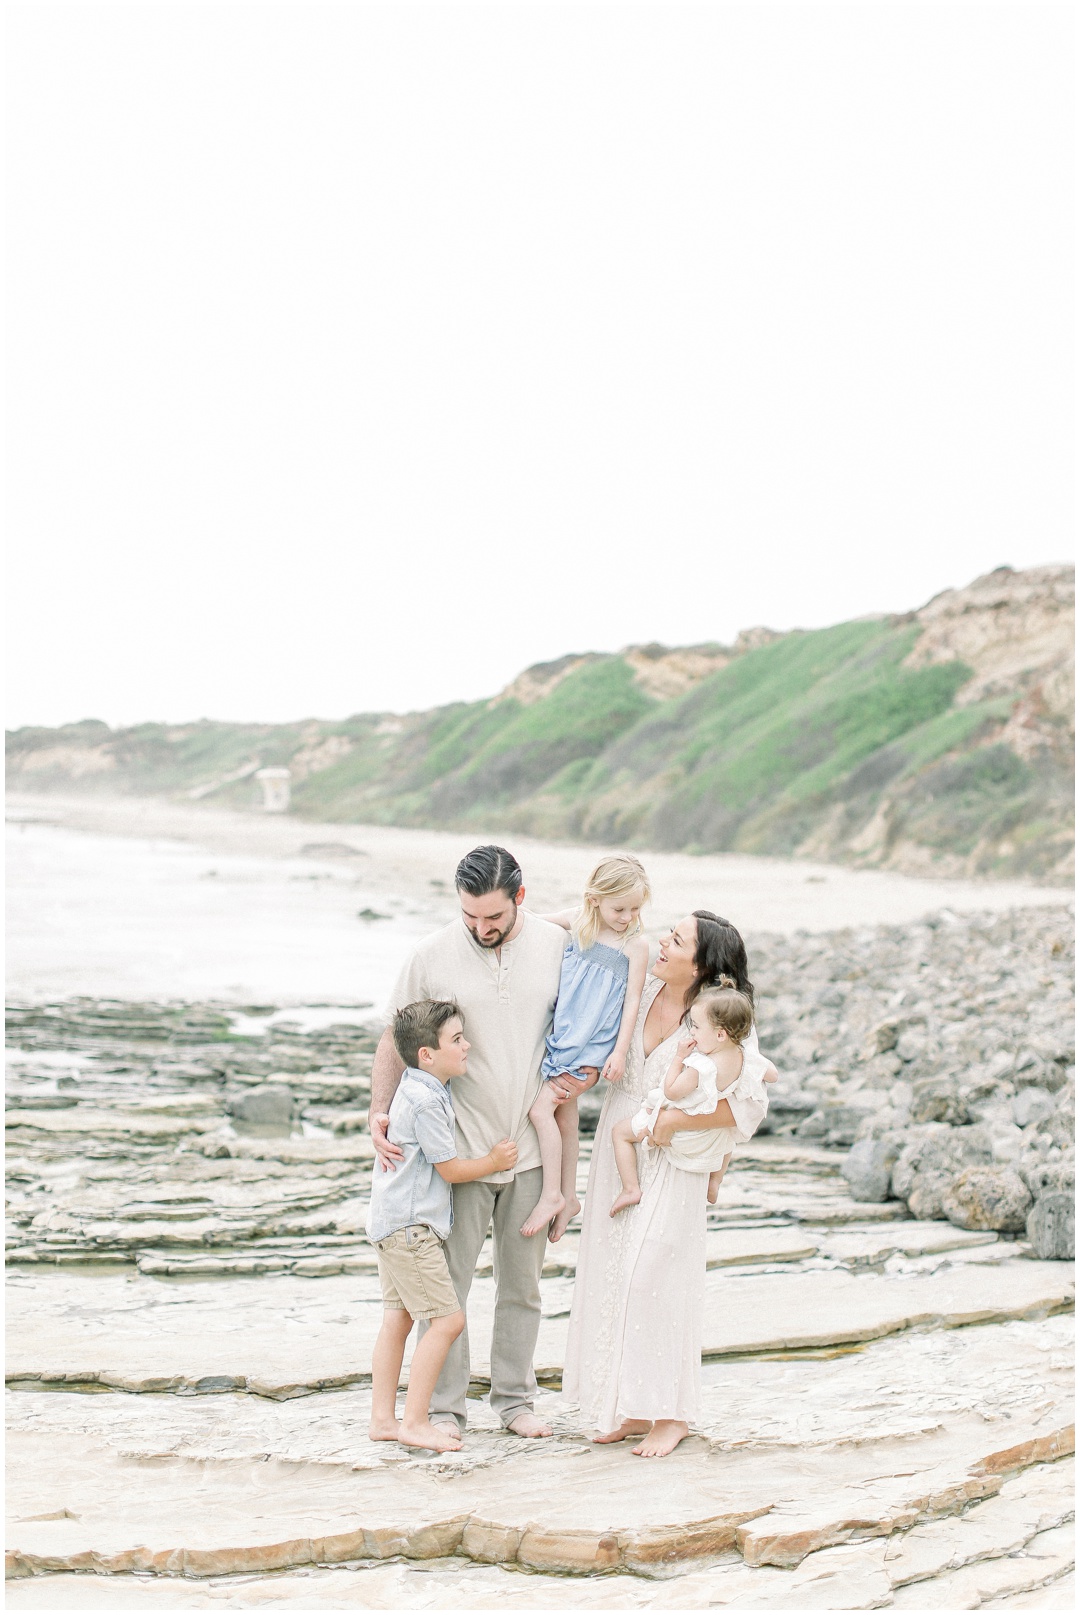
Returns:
(422,1126)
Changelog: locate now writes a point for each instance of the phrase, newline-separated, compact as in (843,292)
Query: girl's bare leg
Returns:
(416,1429)
(550,1203)
(566,1120)
(623,1140)
(386,1372)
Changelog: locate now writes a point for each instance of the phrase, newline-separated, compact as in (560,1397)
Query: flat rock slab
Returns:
(563,1506)
(903,1387)
(857,1247)
(280,1336)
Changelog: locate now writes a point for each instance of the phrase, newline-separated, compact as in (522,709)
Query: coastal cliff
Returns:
(938,741)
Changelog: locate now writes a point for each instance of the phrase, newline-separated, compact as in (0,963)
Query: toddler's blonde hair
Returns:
(727,1009)
(618,873)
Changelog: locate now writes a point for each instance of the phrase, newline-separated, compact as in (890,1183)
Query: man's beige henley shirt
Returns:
(508,1000)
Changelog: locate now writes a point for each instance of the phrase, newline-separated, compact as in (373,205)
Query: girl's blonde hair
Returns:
(613,876)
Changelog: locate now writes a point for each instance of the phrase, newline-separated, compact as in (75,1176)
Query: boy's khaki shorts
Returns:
(414,1274)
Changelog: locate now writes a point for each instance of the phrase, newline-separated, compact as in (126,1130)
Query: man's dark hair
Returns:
(488,869)
(419,1026)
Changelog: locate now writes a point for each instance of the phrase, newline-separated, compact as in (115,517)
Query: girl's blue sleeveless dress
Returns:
(592,991)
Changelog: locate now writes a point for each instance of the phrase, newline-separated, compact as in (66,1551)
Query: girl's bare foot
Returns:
(629,1427)
(547,1207)
(629,1197)
(383,1430)
(566,1215)
(438,1437)
(663,1438)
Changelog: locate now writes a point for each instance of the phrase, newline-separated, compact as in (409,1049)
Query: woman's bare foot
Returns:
(629,1197)
(383,1430)
(438,1437)
(546,1208)
(663,1438)
(529,1426)
(629,1427)
(565,1217)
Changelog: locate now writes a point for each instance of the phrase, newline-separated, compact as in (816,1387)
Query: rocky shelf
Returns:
(887,1370)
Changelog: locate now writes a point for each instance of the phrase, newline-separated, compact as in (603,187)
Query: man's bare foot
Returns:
(629,1427)
(629,1197)
(529,1426)
(383,1430)
(565,1217)
(437,1437)
(547,1207)
(663,1438)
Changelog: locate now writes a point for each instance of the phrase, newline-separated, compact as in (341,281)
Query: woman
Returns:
(633,1357)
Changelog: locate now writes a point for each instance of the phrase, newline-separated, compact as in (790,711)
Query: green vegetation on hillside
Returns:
(821,743)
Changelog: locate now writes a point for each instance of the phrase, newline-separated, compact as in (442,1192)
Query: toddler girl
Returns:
(714,1062)
(603,973)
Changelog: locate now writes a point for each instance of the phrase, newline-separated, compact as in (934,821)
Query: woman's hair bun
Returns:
(727,981)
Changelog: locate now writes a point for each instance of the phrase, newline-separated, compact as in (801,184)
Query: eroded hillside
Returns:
(939,741)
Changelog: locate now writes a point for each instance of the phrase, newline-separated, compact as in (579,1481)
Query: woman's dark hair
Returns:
(720,951)
(488,869)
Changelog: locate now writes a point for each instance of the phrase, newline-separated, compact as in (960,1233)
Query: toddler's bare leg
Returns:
(715,1180)
(566,1120)
(623,1140)
(550,1203)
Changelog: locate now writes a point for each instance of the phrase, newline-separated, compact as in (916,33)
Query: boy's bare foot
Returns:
(629,1427)
(629,1197)
(547,1207)
(529,1426)
(663,1438)
(565,1217)
(383,1430)
(437,1437)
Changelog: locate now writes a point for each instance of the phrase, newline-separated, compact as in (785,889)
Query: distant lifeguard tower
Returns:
(275,789)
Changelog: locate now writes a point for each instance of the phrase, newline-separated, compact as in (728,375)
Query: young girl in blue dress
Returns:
(603,973)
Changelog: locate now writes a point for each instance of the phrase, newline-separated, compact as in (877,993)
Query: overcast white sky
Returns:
(363,354)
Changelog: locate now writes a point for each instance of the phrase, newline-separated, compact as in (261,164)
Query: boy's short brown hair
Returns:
(728,1010)
(419,1026)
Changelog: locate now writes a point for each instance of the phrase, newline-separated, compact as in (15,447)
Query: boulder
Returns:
(270,1103)
(1051,1226)
(868,1168)
(987,1197)
(1031,1105)
(884,1036)
(931,1160)
(938,1099)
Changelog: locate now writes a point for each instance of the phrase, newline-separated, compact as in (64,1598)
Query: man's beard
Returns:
(495,941)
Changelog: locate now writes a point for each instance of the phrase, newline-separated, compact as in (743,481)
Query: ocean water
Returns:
(122,917)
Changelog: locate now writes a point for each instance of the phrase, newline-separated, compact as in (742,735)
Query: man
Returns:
(501,965)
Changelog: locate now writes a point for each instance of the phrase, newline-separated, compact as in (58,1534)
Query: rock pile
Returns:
(942,1055)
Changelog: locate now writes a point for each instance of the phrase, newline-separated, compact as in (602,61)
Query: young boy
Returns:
(409,1217)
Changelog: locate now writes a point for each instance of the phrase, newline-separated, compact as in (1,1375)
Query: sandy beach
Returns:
(137,898)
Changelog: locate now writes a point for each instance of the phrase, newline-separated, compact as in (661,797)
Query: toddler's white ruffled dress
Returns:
(747,1095)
